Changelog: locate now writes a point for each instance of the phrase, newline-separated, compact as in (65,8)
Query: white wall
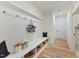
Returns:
(48,25)
(70,39)
(75,20)
(12,29)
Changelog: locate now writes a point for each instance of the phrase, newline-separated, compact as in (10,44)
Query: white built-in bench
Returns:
(33,50)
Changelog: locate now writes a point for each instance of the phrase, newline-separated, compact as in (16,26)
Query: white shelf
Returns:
(31,45)
(37,54)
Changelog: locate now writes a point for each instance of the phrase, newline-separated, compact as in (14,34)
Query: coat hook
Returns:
(4,11)
(17,16)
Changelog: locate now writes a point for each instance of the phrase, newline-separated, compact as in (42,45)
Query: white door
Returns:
(60,26)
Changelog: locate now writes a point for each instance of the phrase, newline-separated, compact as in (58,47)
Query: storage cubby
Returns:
(36,50)
(30,54)
(45,42)
(39,47)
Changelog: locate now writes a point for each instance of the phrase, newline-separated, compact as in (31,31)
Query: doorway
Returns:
(60,27)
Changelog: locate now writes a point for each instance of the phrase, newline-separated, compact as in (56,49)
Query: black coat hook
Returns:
(4,11)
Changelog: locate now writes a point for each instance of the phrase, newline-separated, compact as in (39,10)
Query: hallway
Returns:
(59,49)
(39,29)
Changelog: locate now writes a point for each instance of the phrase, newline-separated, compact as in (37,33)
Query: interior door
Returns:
(60,26)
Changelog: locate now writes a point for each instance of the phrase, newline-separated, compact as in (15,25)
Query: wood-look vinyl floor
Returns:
(59,49)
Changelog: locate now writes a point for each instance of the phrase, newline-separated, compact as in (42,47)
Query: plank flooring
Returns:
(59,49)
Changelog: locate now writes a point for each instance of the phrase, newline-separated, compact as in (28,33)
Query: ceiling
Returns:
(59,7)
(50,6)
(76,11)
